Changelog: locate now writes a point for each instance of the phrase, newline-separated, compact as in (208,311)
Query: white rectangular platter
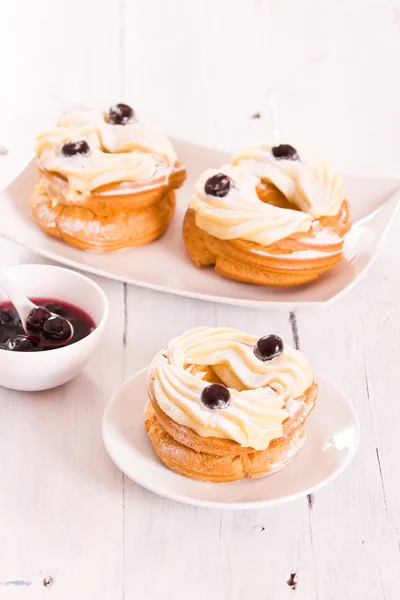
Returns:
(164,265)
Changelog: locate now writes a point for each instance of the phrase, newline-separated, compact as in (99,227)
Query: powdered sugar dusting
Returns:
(294,406)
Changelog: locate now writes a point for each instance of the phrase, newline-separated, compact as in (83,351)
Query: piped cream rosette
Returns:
(240,214)
(309,183)
(260,391)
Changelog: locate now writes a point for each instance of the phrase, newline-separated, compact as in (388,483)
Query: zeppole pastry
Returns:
(224,405)
(106,180)
(272,217)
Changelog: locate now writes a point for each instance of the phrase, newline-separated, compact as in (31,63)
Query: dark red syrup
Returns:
(13,336)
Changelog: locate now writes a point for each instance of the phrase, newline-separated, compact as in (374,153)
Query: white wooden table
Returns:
(71,525)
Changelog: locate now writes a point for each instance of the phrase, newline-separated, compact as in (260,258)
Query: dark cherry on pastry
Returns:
(73,148)
(268,347)
(215,396)
(47,331)
(218,185)
(285,151)
(121,114)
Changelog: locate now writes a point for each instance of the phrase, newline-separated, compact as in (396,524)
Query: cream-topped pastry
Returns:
(259,389)
(273,216)
(224,405)
(106,179)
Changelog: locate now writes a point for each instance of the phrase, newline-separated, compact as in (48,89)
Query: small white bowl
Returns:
(34,371)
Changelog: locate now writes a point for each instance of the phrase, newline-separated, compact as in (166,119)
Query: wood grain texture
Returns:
(236,553)
(68,518)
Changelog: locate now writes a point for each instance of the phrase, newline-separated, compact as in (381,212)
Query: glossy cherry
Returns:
(218,185)
(285,151)
(55,330)
(268,347)
(36,319)
(215,396)
(6,317)
(22,343)
(121,114)
(80,147)
(56,308)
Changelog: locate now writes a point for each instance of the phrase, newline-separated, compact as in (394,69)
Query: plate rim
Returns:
(233,505)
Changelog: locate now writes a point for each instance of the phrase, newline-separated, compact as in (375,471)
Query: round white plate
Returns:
(333,432)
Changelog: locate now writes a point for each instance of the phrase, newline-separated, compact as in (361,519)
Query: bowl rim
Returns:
(95,286)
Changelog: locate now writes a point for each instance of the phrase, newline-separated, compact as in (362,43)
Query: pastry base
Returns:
(81,227)
(108,219)
(270,266)
(218,469)
(182,450)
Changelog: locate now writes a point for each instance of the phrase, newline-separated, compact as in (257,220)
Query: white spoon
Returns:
(24,307)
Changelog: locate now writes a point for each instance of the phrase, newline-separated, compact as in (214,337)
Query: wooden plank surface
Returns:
(71,525)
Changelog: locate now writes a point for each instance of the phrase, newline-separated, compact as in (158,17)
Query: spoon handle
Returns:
(21,302)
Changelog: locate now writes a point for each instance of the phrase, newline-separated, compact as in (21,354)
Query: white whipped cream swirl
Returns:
(138,153)
(262,393)
(241,214)
(309,184)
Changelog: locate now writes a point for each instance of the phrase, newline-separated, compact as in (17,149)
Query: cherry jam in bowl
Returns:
(30,363)
(14,338)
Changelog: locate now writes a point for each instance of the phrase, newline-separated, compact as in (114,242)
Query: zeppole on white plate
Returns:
(165,266)
(332,438)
